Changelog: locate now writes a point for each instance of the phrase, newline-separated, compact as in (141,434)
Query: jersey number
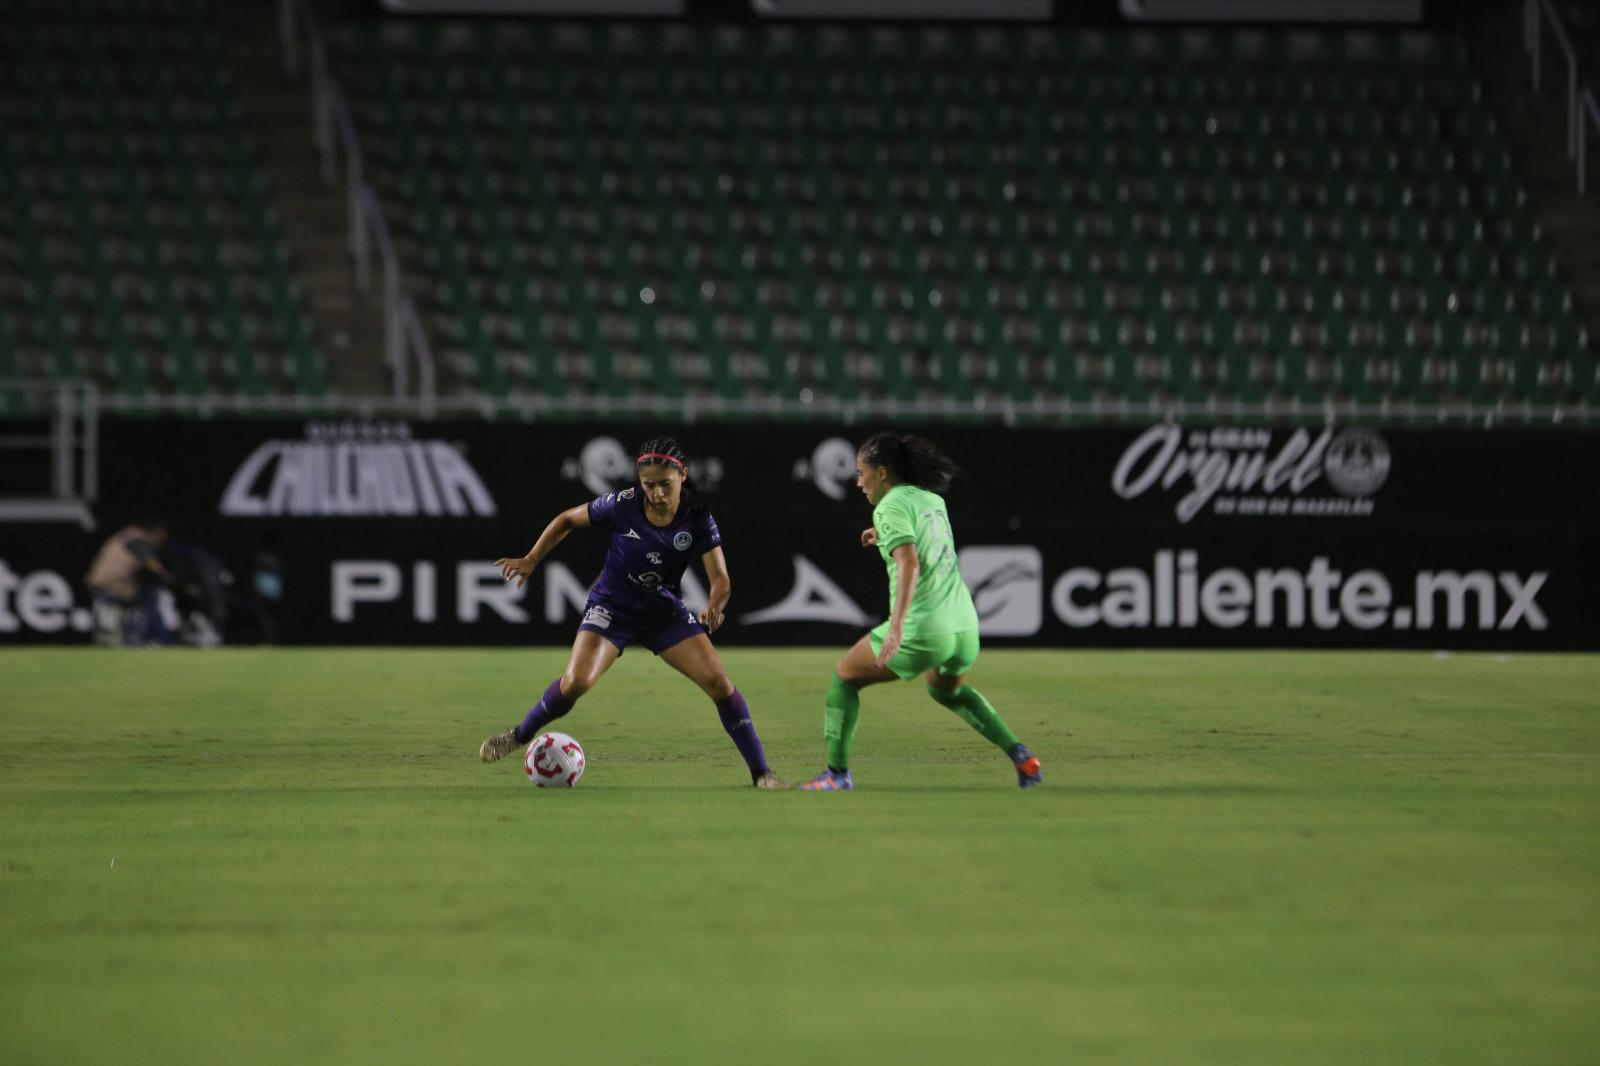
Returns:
(940,540)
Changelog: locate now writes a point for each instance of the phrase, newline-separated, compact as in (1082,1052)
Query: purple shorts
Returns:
(657,634)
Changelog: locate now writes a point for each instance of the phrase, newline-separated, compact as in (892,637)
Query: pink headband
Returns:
(655,456)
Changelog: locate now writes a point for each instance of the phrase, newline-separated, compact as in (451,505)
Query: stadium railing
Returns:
(334,133)
(1591,111)
(529,407)
(1540,17)
(69,443)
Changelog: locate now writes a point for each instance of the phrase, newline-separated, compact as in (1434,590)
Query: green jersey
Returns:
(940,602)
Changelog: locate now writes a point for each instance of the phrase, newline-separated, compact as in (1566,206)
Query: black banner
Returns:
(385,532)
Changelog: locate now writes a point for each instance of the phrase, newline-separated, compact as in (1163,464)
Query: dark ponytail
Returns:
(911,460)
(666,451)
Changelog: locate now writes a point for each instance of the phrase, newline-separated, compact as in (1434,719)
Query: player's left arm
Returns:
(721,588)
(907,569)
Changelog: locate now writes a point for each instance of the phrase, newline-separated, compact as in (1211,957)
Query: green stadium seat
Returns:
(139,179)
(945,212)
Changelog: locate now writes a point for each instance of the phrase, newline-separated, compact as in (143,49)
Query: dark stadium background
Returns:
(1033,238)
(1263,331)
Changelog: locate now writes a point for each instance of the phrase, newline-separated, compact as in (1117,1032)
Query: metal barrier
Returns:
(1538,15)
(680,409)
(427,384)
(1591,110)
(334,133)
(72,445)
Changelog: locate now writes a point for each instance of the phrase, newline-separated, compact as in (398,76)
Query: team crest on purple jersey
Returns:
(645,563)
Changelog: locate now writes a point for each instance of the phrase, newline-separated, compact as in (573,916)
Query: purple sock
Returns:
(551,705)
(735,715)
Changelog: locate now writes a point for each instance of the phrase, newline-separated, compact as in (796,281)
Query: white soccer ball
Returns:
(554,760)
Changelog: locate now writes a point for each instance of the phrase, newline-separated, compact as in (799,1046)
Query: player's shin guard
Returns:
(970,706)
(839,722)
(552,705)
(735,715)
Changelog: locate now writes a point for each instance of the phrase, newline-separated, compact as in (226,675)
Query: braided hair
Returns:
(665,451)
(911,460)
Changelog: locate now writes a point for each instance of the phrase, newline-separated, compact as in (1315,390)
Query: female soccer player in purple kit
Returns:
(656,527)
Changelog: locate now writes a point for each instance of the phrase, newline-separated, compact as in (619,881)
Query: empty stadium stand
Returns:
(807,215)
(141,248)
(1019,214)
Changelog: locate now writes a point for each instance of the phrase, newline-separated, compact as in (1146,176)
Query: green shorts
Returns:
(952,654)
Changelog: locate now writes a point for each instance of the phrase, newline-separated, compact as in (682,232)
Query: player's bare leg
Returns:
(697,659)
(859,667)
(592,655)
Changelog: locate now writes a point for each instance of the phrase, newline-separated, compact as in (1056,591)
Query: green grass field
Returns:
(295,856)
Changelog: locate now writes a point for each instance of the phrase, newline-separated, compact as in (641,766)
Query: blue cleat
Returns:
(828,781)
(1027,764)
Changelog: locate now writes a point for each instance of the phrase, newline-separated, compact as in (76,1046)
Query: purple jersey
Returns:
(645,563)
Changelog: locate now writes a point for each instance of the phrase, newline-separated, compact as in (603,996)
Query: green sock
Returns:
(973,709)
(839,721)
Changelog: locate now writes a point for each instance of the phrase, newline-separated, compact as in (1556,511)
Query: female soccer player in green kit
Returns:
(933,625)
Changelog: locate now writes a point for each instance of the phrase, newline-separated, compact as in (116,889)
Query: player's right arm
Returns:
(554,533)
(907,570)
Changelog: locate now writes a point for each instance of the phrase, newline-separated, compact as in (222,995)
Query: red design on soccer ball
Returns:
(544,769)
(554,760)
